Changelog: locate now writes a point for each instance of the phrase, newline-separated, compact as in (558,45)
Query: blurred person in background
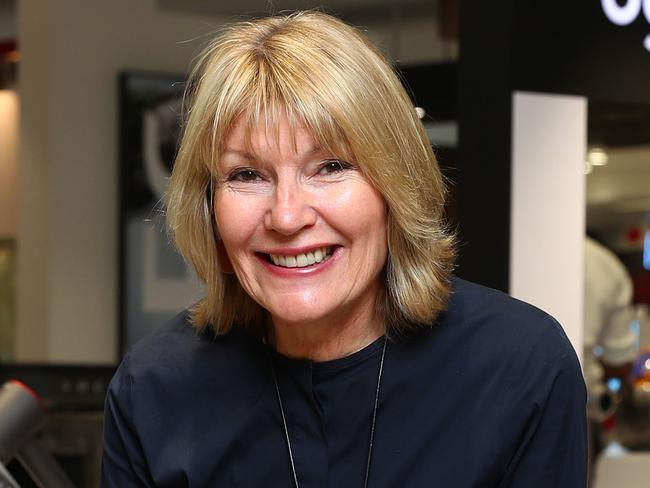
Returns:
(610,342)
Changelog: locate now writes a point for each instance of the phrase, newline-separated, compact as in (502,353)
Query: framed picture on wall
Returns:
(155,284)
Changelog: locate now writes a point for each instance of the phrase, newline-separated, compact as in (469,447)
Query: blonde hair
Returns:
(323,75)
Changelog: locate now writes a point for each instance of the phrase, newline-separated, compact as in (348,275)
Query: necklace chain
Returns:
(372,425)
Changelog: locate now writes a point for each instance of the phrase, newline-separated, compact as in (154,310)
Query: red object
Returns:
(634,234)
(608,423)
(641,280)
(8,46)
(8,51)
(23,386)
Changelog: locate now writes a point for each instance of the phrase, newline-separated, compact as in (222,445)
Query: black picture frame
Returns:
(154,282)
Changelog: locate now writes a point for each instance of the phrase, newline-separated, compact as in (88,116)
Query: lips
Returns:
(301,260)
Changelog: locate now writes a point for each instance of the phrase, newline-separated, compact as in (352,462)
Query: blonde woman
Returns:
(333,347)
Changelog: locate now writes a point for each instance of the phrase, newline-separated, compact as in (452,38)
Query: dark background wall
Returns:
(553,47)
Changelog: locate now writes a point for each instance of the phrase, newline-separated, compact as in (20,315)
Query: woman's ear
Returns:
(222,258)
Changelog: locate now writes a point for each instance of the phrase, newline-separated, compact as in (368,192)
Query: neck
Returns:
(325,339)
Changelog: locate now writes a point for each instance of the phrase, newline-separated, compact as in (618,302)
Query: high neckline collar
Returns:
(332,365)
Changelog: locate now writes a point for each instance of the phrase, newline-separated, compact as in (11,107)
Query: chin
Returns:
(296,319)
(297,316)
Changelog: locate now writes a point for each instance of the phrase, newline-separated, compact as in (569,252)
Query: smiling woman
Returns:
(306,236)
(312,76)
(332,347)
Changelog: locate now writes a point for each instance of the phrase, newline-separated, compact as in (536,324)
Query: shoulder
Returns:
(169,383)
(516,367)
(492,357)
(180,355)
(513,352)
(470,301)
(485,313)
(492,331)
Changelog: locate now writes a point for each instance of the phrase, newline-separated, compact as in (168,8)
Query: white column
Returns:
(549,143)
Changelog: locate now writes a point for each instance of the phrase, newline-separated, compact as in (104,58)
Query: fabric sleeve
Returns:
(552,450)
(123,461)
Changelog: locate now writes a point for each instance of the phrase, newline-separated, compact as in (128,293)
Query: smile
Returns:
(302,260)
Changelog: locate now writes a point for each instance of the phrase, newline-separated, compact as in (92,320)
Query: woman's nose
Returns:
(291,209)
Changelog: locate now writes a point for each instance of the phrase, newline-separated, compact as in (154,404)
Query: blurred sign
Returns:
(627,13)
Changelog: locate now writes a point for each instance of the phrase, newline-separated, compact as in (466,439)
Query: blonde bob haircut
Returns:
(322,75)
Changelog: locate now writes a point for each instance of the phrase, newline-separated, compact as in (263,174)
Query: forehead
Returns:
(269,136)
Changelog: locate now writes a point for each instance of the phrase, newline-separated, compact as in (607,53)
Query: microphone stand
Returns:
(41,466)
(6,480)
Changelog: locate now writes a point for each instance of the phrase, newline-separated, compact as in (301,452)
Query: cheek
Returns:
(363,215)
(236,223)
(371,208)
(377,225)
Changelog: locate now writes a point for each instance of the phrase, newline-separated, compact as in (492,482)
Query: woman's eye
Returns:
(243,175)
(333,166)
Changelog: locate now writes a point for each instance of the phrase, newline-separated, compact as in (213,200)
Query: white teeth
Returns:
(302,260)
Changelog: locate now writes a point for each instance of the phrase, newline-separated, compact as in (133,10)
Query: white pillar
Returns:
(549,143)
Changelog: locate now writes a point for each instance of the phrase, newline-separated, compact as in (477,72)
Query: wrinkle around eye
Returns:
(243,187)
(335,171)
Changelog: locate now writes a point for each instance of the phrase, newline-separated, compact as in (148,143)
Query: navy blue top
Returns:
(491,396)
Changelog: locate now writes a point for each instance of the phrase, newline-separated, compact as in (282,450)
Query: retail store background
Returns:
(59,139)
(71,54)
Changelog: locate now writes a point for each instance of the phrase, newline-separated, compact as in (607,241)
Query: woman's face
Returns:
(304,231)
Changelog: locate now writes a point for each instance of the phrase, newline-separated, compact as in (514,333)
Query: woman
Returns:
(333,347)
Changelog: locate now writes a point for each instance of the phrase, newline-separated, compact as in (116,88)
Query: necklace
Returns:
(372,425)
